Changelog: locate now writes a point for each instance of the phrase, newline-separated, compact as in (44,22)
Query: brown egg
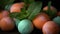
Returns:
(6,24)
(5,13)
(40,20)
(46,8)
(50,27)
(17,7)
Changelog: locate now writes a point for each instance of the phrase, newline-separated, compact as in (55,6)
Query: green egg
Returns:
(16,21)
(25,26)
(57,20)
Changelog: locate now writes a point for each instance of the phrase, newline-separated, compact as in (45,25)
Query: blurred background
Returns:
(55,3)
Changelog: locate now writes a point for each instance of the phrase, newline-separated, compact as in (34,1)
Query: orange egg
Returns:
(17,7)
(40,20)
(58,13)
(6,24)
(46,8)
(50,27)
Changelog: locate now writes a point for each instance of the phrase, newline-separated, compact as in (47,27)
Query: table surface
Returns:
(15,31)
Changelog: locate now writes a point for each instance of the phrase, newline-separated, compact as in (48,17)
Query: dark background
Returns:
(55,3)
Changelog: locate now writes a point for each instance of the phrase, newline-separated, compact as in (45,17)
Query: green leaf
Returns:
(3,3)
(51,13)
(24,14)
(7,7)
(35,11)
(31,8)
(49,5)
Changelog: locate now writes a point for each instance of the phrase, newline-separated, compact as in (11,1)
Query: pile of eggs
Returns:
(26,26)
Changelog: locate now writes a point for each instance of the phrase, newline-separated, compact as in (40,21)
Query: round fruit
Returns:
(52,13)
(50,27)
(40,20)
(6,24)
(16,7)
(25,26)
(57,20)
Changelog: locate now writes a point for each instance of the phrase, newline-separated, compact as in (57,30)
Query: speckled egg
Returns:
(25,26)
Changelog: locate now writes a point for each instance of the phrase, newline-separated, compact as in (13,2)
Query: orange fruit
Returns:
(6,24)
(50,27)
(40,20)
(17,7)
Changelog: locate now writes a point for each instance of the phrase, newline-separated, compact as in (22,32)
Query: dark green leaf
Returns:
(28,1)
(31,8)
(3,3)
(51,13)
(35,11)
(7,7)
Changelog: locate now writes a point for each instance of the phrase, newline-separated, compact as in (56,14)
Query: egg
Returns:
(6,24)
(4,13)
(16,7)
(16,21)
(50,27)
(57,20)
(25,26)
(46,8)
(40,20)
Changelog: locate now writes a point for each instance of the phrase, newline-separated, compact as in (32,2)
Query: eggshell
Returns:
(25,26)
(6,24)
(50,27)
(16,7)
(57,20)
(40,20)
